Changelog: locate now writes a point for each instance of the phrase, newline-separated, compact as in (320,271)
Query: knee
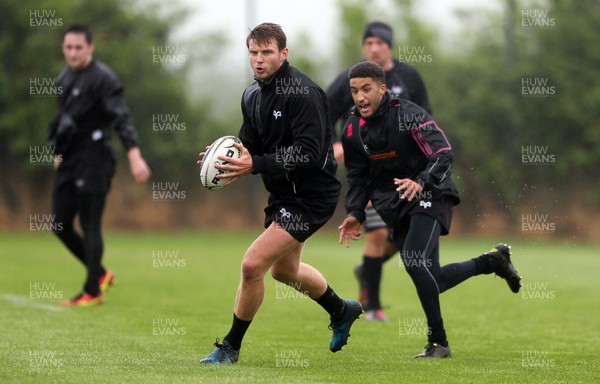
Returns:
(415,262)
(389,249)
(283,275)
(60,227)
(91,228)
(252,270)
(410,269)
(378,236)
(376,242)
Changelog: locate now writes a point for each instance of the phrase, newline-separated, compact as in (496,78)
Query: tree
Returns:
(517,149)
(522,103)
(135,42)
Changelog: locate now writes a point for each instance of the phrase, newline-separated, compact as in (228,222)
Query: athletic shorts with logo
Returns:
(300,217)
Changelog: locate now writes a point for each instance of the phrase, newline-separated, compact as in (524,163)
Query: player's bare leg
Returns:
(267,251)
(376,241)
(309,281)
(301,276)
(272,245)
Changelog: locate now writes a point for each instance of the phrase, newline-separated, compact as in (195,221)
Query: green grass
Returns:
(550,334)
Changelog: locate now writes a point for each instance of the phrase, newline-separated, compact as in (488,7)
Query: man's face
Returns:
(378,51)
(77,52)
(367,94)
(265,60)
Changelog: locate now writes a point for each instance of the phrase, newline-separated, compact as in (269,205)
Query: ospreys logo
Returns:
(276,114)
(425,204)
(285,214)
(397,90)
(291,222)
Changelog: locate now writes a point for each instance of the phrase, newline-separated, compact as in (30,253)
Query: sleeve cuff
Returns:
(259,164)
(360,215)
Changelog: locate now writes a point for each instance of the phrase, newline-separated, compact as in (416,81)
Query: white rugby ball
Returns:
(223,146)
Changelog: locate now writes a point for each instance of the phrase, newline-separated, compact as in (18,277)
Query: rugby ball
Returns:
(223,146)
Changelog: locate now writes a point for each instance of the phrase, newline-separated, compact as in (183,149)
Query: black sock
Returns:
(372,267)
(237,332)
(436,333)
(332,303)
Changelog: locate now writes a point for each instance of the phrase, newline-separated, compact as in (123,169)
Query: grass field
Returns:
(174,295)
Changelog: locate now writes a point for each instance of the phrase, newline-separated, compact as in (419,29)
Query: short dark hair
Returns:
(263,33)
(367,69)
(80,28)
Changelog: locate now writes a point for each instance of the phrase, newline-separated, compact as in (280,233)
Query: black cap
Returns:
(380,30)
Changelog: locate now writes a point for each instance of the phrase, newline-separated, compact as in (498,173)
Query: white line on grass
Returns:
(25,302)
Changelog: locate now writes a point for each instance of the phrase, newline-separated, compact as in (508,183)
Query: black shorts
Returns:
(373,221)
(300,217)
(439,208)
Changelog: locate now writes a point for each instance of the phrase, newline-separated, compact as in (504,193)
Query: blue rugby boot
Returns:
(341,328)
(224,354)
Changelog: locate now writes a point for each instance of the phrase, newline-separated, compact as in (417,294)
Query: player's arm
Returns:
(62,126)
(339,99)
(116,108)
(417,89)
(421,95)
(435,146)
(248,134)
(357,197)
(244,165)
(137,165)
(438,151)
(357,173)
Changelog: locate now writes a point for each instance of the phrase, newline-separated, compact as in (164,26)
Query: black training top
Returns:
(286,129)
(403,81)
(91,103)
(399,141)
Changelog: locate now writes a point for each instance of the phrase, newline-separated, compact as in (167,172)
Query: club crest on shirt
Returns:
(396,90)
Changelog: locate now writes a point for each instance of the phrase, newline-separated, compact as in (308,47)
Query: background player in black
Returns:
(397,157)
(403,81)
(90,104)
(286,138)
